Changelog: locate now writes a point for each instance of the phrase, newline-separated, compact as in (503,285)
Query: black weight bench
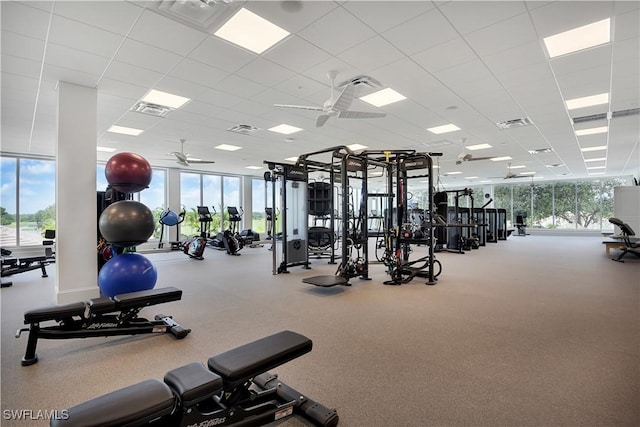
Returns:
(235,390)
(11,266)
(100,317)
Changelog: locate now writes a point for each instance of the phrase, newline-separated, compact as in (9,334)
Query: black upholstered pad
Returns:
(54,312)
(245,362)
(145,298)
(193,383)
(143,401)
(102,305)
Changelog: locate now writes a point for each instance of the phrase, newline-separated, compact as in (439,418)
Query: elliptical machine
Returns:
(228,239)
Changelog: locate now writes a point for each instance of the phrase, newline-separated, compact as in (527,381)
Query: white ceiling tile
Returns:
(156,30)
(93,40)
(22,46)
(299,87)
(115,17)
(296,54)
(422,32)
(384,15)
(552,18)
(145,56)
(199,73)
(56,73)
(76,60)
(585,82)
(291,20)
(22,19)
(123,90)
(180,87)
(371,54)
(467,72)
(221,54)
(266,72)
(492,40)
(240,86)
(336,32)
(469,16)
(20,66)
(448,54)
(627,25)
(578,62)
(131,74)
(516,58)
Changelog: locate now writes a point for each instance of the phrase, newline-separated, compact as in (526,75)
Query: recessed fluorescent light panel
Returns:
(528,173)
(105,149)
(596,173)
(443,129)
(125,130)
(599,159)
(587,101)
(592,131)
(579,38)
(356,147)
(478,147)
(383,97)
(598,148)
(596,167)
(285,129)
(165,99)
(518,167)
(253,167)
(227,147)
(499,159)
(453,173)
(250,31)
(470,177)
(292,159)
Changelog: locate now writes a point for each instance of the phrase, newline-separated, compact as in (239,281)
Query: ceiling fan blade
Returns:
(473,159)
(299,107)
(202,162)
(359,115)
(321,120)
(343,102)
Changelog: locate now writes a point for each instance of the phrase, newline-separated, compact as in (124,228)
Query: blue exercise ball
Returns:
(127,272)
(169,217)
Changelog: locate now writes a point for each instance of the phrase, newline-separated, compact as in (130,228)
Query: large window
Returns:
(258,203)
(27,201)
(569,205)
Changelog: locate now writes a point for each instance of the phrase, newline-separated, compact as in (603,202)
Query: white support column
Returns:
(76,206)
(173,193)
(247,203)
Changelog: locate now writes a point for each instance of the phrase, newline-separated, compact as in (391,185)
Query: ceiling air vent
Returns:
(205,15)
(244,129)
(591,118)
(151,109)
(362,81)
(515,123)
(624,113)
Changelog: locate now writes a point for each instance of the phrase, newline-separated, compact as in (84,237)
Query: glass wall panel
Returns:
(190,199)
(8,192)
(101,179)
(607,200)
(258,203)
(589,198)
(37,197)
(154,197)
(542,215)
(565,205)
(521,203)
(231,195)
(212,197)
(502,197)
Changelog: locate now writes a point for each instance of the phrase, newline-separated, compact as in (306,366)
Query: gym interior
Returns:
(380,288)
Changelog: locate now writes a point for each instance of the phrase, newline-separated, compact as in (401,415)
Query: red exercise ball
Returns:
(128,172)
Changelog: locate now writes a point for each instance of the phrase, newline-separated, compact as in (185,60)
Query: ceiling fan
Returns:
(511,175)
(336,107)
(183,159)
(467,157)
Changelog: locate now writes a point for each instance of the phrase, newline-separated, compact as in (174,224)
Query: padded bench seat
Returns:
(54,312)
(146,298)
(247,361)
(193,383)
(140,402)
(102,305)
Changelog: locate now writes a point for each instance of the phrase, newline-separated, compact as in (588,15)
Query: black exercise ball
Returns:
(126,223)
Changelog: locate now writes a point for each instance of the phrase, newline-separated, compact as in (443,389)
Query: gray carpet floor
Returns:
(531,331)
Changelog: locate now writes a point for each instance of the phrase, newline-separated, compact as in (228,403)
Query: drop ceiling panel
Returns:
(430,28)
(94,40)
(627,25)
(296,54)
(266,72)
(221,54)
(469,16)
(292,20)
(371,54)
(146,56)
(156,30)
(22,19)
(20,66)
(583,60)
(552,18)
(383,15)
(336,32)
(76,60)
(240,87)
(198,72)
(491,39)
(115,18)
(517,58)
(55,73)
(120,89)
(21,46)
(128,73)
(587,82)
(445,55)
